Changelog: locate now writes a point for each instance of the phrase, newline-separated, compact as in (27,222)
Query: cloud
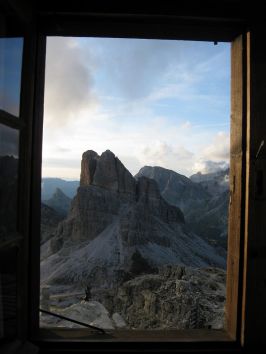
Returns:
(144,100)
(210,166)
(166,155)
(186,125)
(133,67)
(215,156)
(130,162)
(68,81)
(219,149)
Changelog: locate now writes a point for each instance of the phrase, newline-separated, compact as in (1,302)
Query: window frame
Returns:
(140,27)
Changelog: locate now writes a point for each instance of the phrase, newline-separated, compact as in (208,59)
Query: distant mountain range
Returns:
(203,198)
(49,186)
(177,189)
(59,202)
(214,183)
(119,224)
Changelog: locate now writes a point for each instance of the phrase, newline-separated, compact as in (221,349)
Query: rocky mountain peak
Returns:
(59,202)
(88,167)
(175,188)
(106,171)
(59,193)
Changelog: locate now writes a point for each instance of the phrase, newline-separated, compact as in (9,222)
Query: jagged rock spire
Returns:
(106,171)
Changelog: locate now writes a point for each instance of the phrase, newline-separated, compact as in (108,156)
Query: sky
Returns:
(151,102)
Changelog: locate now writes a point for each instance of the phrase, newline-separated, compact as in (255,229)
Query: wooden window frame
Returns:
(243,253)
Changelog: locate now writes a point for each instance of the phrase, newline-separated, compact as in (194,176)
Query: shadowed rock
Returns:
(113,217)
(106,171)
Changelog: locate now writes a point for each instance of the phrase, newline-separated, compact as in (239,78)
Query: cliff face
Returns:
(114,217)
(106,171)
(107,190)
(203,198)
(175,297)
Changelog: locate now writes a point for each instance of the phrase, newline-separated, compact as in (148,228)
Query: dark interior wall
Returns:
(221,20)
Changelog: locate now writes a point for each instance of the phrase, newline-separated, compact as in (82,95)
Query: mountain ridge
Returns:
(113,216)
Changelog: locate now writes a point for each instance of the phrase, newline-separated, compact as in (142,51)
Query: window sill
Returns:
(61,340)
(195,335)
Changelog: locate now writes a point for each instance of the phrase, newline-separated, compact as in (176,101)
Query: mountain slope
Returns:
(176,189)
(214,183)
(113,218)
(49,186)
(59,202)
(204,200)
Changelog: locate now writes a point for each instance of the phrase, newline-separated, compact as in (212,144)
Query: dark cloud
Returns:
(68,80)
(9,141)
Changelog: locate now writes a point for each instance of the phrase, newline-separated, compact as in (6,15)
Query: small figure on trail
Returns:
(87,293)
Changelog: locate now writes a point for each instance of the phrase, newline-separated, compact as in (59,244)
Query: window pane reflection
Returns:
(10,74)
(8,293)
(9,140)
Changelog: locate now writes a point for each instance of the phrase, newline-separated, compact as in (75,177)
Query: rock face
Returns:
(106,171)
(176,189)
(175,297)
(91,312)
(49,222)
(204,200)
(107,189)
(212,221)
(214,183)
(112,219)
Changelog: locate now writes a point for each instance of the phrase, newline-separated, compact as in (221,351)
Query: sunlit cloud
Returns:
(150,102)
(214,156)
(210,166)
(165,155)
(218,149)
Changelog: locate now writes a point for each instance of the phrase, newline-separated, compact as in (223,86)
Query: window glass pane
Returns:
(9,140)
(11,50)
(8,293)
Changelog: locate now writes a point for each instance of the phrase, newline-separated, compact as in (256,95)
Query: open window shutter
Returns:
(254,309)
(237,179)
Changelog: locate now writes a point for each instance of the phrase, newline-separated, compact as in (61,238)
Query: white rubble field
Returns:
(89,312)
